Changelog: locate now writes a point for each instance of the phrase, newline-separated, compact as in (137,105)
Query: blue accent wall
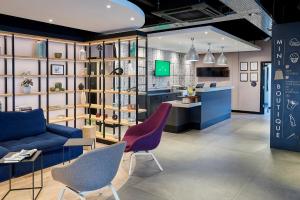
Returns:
(285,112)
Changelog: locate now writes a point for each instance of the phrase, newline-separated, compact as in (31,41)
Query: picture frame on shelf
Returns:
(243,77)
(253,66)
(57,69)
(253,76)
(243,66)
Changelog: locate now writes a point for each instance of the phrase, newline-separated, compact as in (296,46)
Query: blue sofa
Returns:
(28,130)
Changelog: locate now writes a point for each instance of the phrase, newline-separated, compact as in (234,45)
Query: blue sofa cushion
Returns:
(3,152)
(16,125)
(45,142)
(64,131)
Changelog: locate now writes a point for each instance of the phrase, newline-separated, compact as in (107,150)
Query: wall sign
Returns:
(285,113)
(244,77)
(243,66)
(254,76)
(253,66)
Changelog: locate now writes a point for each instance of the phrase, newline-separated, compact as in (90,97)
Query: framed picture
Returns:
(244,77)
(253,66)
(254,76)
(57,69)
(243,66)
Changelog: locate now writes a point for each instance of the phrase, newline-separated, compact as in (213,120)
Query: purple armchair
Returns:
(144,137)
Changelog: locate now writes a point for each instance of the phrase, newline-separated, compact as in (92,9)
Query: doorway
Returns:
(265,97)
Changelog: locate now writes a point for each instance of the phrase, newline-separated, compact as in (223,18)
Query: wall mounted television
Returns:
(213,72)
(162,68)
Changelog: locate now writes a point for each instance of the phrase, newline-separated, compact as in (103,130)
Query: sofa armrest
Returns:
(64,131)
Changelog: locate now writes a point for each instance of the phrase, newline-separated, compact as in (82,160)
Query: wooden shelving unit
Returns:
(106,97)
(115,95)
(9,56)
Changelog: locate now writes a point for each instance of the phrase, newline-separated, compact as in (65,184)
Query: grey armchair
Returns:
(91,171)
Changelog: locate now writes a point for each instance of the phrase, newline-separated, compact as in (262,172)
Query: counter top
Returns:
(208,89)
(179,104)
(161,93)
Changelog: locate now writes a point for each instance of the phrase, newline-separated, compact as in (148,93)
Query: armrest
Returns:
(64,131)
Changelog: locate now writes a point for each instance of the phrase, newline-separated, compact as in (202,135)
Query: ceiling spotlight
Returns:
(209,57)
(50,20)
(223,38)
(132,18)
(108,6)
(192,54)
(222,60)
(205,32)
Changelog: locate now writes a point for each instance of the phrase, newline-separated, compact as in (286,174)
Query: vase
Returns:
(27,90)
(83,98)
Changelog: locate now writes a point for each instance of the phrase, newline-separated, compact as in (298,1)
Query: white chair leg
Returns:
(130,166)
(82,198)
(61,194)
(114,192)
(161,169)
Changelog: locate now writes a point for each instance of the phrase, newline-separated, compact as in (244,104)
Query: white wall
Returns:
(244,96)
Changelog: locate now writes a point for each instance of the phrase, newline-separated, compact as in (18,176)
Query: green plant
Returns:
(27,82)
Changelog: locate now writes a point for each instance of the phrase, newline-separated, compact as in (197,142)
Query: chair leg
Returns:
(114,192)
(61,194)
(130,166)
(161,169)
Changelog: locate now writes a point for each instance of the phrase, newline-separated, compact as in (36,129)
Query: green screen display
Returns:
(162,68)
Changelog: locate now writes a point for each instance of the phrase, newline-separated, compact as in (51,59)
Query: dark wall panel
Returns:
(285,113)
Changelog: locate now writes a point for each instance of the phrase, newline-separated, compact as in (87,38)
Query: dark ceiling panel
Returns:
(240,28)
(282,11)
(151,6)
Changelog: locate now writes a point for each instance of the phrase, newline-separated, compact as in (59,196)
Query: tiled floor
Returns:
(229,161)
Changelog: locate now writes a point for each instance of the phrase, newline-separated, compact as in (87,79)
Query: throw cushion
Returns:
(3,152)
(16,125)
(45,142)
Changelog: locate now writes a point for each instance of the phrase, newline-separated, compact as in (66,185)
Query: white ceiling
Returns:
(90,15)
(180,40)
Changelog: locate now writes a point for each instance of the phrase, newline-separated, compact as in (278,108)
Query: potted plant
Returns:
(26,84)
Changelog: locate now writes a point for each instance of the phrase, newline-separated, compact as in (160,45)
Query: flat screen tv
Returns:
(213,72)
(162,68)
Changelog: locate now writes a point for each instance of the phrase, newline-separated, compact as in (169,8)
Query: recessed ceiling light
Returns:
(50,20)
(223,38)
(132,18)
(108,6)
(205,32)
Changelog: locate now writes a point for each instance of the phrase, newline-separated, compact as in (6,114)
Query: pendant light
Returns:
(192,54)
(209,57)
(222,60)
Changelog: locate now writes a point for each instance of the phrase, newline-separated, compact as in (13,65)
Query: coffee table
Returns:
(78,142)
(31,160)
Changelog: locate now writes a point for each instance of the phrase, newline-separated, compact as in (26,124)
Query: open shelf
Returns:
(124,92)
(62,92)
(108,137)
(31,94)
(58,107)
(65,119)
(60,119)
(123,75)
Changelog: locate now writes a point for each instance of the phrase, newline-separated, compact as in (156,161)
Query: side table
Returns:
(31,160)
(78,142)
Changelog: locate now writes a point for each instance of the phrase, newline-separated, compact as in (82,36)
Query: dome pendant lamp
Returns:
(222,60)
(209,57)
(192,54)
